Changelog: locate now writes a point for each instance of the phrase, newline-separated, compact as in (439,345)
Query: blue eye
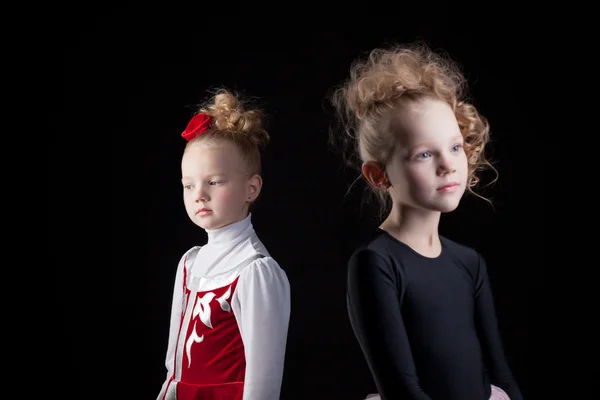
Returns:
(457,147)
(424,155)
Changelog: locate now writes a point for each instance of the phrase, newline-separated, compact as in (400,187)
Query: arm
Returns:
(487,325)
(261,305)
(176,309)
(374,310)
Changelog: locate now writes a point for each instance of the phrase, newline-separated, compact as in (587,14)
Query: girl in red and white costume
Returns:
(231,300)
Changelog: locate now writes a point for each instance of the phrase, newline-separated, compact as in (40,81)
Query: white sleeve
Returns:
(176,309)
(261,304)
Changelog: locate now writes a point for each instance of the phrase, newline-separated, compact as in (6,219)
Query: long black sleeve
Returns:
(375,316)
(487,325)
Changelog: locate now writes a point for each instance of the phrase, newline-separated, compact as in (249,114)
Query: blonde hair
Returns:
(387,79)
(232,122)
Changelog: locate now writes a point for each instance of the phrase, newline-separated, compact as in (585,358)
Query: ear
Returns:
(375,175)
(253,189)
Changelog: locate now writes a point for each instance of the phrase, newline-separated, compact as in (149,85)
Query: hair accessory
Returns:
(197,125)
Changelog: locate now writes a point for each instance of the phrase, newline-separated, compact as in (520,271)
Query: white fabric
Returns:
(261,303)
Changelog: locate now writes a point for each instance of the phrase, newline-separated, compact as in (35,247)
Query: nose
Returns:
(446,165)
(201,195)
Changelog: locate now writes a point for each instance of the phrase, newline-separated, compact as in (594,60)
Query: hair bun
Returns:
(229,114)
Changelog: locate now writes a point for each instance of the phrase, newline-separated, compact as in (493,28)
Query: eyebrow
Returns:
(427,143)
(220,174)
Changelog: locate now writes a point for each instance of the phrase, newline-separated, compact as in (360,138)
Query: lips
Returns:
(449,186)
(203,211)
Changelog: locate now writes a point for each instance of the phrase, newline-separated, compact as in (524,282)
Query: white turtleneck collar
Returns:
(232,233)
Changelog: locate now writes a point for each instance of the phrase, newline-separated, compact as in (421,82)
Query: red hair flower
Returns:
(198,124)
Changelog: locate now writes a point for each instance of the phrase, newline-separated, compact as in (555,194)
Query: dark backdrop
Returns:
(128,85)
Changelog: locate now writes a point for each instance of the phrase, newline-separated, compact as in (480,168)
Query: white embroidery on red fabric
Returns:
(202,309)
(223,300)
(194,338)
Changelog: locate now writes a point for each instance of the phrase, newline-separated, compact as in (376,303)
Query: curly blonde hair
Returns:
(387,79)
(232,122)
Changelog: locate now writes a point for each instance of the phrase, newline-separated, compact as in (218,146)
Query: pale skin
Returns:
(428,155)
(217,185)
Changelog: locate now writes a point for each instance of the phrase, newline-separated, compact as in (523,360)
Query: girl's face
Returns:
(216,187)
(428,169)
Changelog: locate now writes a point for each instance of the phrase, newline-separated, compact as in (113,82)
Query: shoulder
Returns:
(464,255)
(374,268)
(364,256)
(265,269)
(372,256)
(189,256)
(460,250)
(264,279)
(379,250)
(192,251)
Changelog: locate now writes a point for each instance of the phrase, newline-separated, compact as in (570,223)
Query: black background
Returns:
(129,79)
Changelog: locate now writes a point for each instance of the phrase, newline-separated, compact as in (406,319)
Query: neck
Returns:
(417,228)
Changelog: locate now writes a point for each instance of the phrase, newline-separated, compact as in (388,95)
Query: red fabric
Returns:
(214,363)
(217,353)
(225,391)
(197,125)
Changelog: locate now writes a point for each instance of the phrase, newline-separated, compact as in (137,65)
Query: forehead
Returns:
(423,121)
(210,158)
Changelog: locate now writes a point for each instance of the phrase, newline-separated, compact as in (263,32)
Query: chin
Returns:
(446,210)
(206,223)
(202,225)
(211,224)
(212,227)
(447,207)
